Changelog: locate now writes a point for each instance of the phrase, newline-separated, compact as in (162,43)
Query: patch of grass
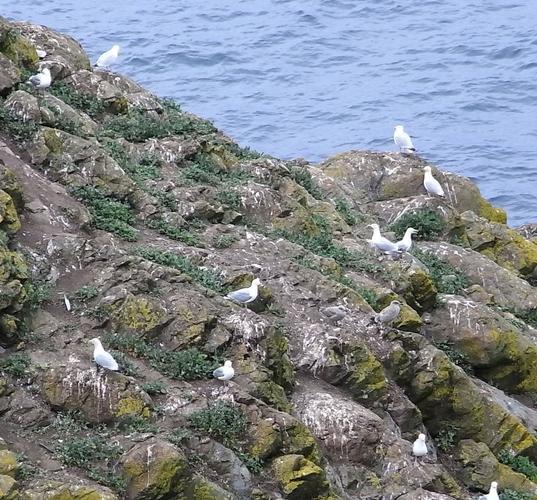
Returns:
(86,292)
(515,495)
(84,451)
(139,125)
(204,170)
(174,232)
(108,478)
(229,198)
(428,222)
(221,421)
(18,129)
(165,198)
(519,463)
(135,423)
(302,176)
(107,213)
(189,364)
(253,464)
(205,277)
(154,388)
(455,356)
(140,168)
(350,216)
(69,423)
(529,316)
(446,438)
(16,365)
(225,241)
(37,293)
(370,296)
(445,277)
(178,436)
(87,103)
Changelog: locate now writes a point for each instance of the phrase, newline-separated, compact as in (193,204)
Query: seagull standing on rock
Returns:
(388,314)
(419,448)
(432,186)
(492,494)
(41,80)
(380,242)
(405,244)
(334,313)
(103,358)
(403,140)
(107,58)
(245,295)
(225,372)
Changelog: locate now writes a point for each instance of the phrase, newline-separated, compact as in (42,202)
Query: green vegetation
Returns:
(515,495)
(350,216)
(16,365)
(87,103)
(529,316)
(37,293)
(429,223)
(203,169)
(205,277)
(70,422)
(154,388)
(135,423)
(519,463)
(140,168)
(127,367)
(190,364)
(456,357)
(174,232)
(18,129)
(107,213)
(225,241)
(302,176)
(86,292)
(177,436)
(445,277)
(229,198)
(221,421)
(446,438)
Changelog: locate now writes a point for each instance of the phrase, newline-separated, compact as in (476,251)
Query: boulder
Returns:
(23,106)
(9,74)
(9,219)
(44,489)
(8,488)
(299,478)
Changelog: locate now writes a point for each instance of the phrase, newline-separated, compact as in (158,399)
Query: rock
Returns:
(207,490)
(101,396)
(11,185)
(8,488)
(43,489)
(299,478)
(23,106)
(9,75)
(143,315)
(8,463)
(15,47)
(9,219)
(155,469)
(56,113)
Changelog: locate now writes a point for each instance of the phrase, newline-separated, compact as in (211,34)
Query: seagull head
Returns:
(256,282)
(227,364)
(421,437)
(411,230)
(115,49)
(399,128)
(493,486)
(397,303)
(45,71)
(427,169)
(95,341)
(374,226)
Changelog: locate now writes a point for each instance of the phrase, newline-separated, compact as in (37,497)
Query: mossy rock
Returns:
(490,212)
(273,394)
(56,490)
(8,463)
(298,478)
(11,185)
(207,490)
(9,219)
(276,346)
(17,48)
(8,488)
(298,439)
(53,140)
(138,314)
(408,320)
(422,291)
(266,441)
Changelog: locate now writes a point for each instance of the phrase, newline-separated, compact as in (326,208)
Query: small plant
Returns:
(446,278)
(224,241)
(68,423)
(445,439)
(529,316)
(21,130)
(515,495)
(37,293)
(429,223)
(519,463)
(230,199)
(140,167)
(154,388)
(204,170)
(16,365)
(86,292)
(205,277)
(302,176)
(350,216)
(126,365)
(178,436)
(135,423)
(87,103)
(172,231)
(84,451)
(108,478)
(455,356)
(221,421)
(370,296)
(253,464)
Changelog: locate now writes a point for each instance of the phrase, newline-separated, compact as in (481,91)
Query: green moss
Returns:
(299,478)
(366,380)
(16,48)
(299,440)
(273,394)
(9,219)
(139,314)
(52,140)
(490,212)
(266,441)
(132,406)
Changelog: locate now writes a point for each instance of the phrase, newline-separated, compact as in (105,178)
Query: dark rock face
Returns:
(125,218)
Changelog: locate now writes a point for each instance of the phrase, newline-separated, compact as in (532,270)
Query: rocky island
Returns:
(125,218)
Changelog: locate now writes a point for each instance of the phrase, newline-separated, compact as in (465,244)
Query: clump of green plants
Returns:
(529,316)
(429,223)
(37,293)
(127,366)
(69,422)
(370,296)
(140,167)
(86,292)
(205,277)
(350,216)
(202,169)
(302,176)
(519,463)
(457,357)
(178,436)
(445,277)
(87,103)
(446,438)
(154,388)
(174,232)
(189,364)
(221,421)
(515,495)
(225,241)
(16,365)
(107,213)
(18,129)
(135,423)
(231,199)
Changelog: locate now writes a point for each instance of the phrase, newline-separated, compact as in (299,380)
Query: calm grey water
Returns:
(295,78)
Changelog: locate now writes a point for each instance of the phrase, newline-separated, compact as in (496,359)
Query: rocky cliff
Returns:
(126,218)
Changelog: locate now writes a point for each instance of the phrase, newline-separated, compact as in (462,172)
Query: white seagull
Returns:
(492,494)
(107,58)
(334,313)
(405,244)
(432,186)
(403,140)
(419,448)
(225,372)
(245,295)
(380,242)
(103,358)
(41,80)
(389,313)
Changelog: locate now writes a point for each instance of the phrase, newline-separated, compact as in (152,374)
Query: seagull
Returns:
(389,313)
(432,186)
(67,303)
(41,53)
(492,494)
(381,243)
(419,448)
(225,372)
(334,313)
(107,58)
(403,140)
(41,80)
(103,358)
(405,244)
(245,295)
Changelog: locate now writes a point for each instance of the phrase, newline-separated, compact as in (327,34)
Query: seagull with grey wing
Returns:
(102,357)
(334,313)
(245,295)
(380,242)
(404,244)
(41,80)
(492,494)
(388,314)
(108,58)
(431,185)
(403,140)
